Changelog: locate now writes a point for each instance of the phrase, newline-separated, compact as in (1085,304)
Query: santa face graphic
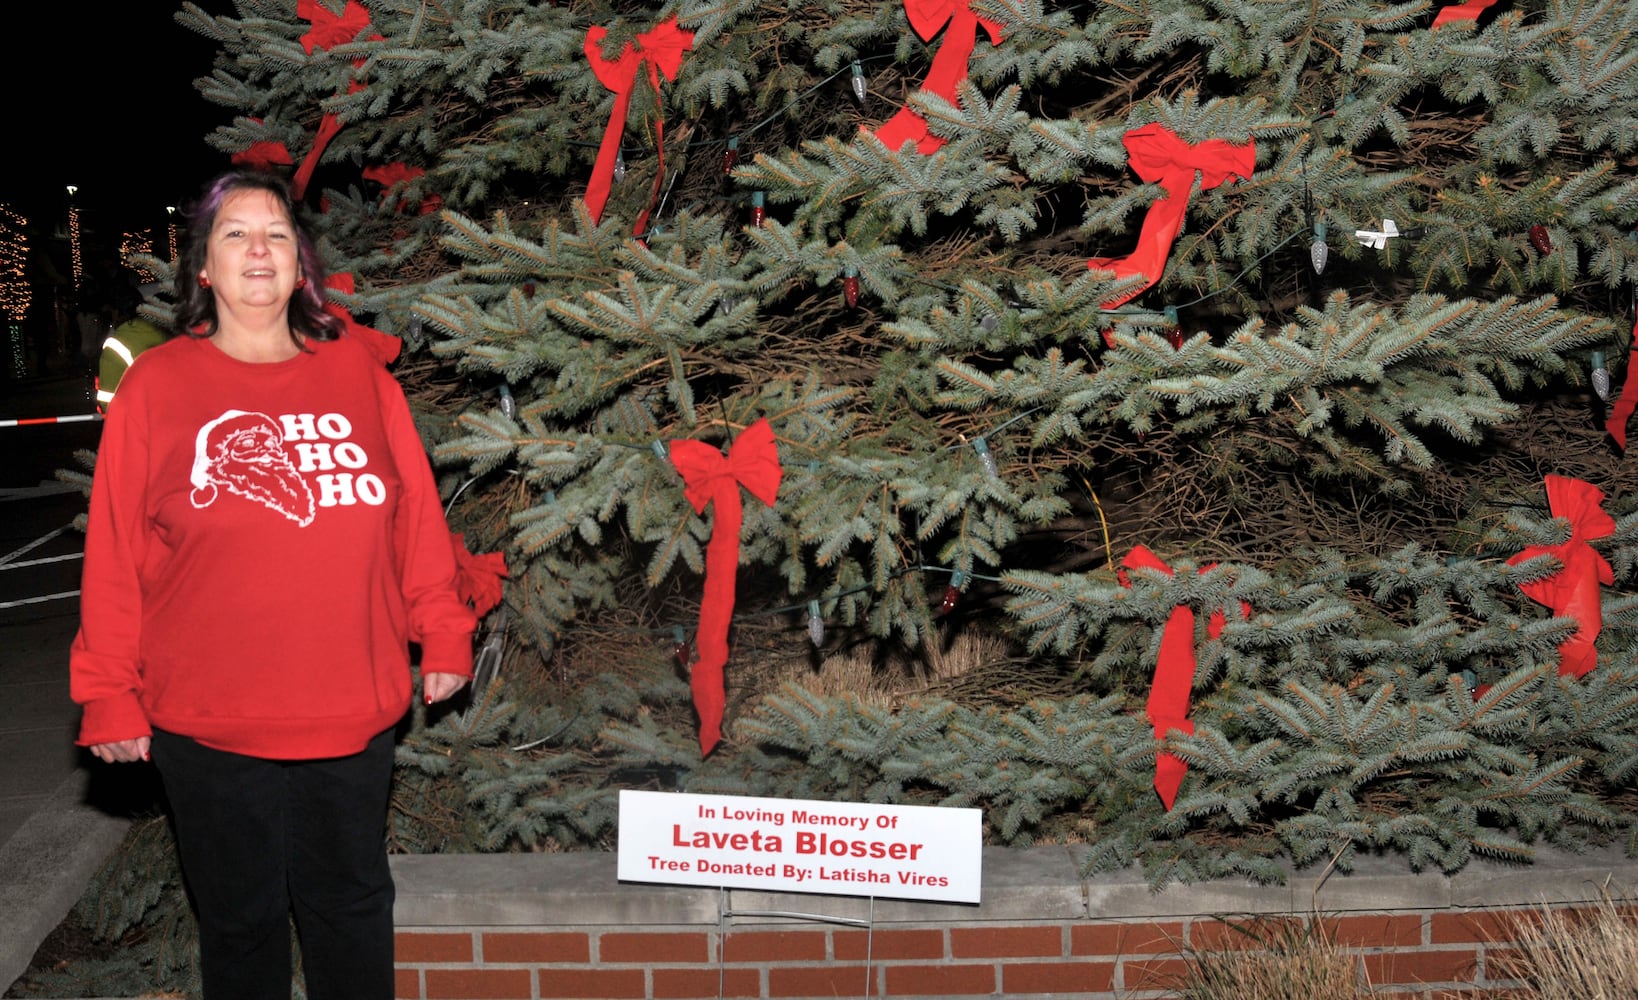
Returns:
(244,453)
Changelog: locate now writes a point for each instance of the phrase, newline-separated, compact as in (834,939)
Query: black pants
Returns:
(262,839)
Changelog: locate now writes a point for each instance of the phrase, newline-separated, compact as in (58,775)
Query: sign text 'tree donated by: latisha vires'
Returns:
(801,845)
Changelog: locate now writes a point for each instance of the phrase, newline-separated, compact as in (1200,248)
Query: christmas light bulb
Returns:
(1174,332)
(850,287)
(619,166)
(681,651)
(952,597)
(986,458)
(1600,376)
(1540,239)
(858,83)
(816,624)
(1319,253)
(508,405)
(759,209)
(730,157)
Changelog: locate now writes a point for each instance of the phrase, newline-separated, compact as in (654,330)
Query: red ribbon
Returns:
(477,578)
(949,65)
(262,155)
(383,345)
(1159,157)
(1168,707)
(329,125)
(660,51)
(1573,591)
(1455,12)
(709,477)
(328,31)
(1624,406)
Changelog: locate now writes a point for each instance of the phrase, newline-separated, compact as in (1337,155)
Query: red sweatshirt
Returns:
(265,541)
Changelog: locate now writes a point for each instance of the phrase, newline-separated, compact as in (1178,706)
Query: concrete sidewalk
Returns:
(61,813)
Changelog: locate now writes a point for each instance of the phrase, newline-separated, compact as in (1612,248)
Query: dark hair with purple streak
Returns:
(196,306)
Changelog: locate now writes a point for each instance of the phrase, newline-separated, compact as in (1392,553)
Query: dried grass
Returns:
(1285,960)
(1585,954)
(863,673)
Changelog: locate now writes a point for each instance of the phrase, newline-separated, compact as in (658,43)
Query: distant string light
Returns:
(170,229)
(15,294)
(74,237)
(135,243)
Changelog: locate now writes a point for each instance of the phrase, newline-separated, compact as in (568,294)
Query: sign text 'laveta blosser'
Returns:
(801,845)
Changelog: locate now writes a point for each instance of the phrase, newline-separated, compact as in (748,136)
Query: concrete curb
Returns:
(47,864)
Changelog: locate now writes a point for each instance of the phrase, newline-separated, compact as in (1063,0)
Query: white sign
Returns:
(801,845)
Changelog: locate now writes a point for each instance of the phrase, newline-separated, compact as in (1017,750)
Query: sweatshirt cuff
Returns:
(110,720)
(447,653)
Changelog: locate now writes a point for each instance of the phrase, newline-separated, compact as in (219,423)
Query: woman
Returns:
(265,541)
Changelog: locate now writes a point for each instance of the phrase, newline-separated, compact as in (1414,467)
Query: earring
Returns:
(204,282)
(301,282)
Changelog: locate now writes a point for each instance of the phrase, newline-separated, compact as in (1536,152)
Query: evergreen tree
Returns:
(1312,430)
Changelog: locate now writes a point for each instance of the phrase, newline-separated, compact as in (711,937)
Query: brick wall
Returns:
(562,926)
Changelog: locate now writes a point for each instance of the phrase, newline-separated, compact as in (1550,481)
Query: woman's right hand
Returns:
(123,752)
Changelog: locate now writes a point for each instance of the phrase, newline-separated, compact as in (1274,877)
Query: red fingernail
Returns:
(146,756)
(428,699)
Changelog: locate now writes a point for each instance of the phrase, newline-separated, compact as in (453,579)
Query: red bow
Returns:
(1622,411)
(1573,592)
(1159,157)
(477,578)
(330,30)
(1168,706)
(1468,11)
(394,174)
(709,477)
(384,346)
(949,65)
(660,51)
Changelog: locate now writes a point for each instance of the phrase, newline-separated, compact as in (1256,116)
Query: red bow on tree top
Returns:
(709,477)
(660,51)
(1168,706)
(1573,592)
(1159,157)
(949,65)
(329,30)
(384,346)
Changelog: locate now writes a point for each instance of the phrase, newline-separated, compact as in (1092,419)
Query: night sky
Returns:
(108,106)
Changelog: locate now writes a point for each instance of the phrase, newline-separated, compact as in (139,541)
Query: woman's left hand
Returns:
(439,687)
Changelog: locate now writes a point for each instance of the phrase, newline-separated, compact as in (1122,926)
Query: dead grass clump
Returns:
(1587,954)
(1285,960)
